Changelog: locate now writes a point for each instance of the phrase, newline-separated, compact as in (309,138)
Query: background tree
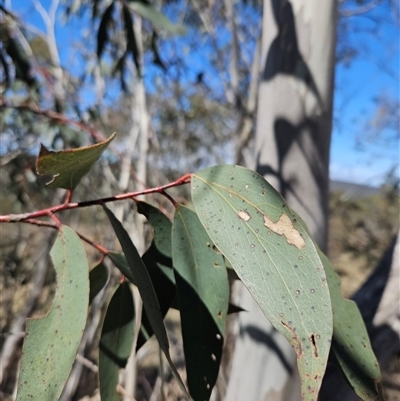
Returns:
(292,147)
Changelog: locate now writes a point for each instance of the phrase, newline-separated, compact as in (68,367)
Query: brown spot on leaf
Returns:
(284,226)
(296,343)
(314,345)
(244,215)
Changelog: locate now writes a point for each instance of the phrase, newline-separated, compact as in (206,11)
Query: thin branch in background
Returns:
(87,363)
(360,10)
(123,392)
(57,117)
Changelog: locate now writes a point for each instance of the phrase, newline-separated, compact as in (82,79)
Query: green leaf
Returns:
(159,20)
(159,265)
(271,252)
(351,345)
(102,34)
(116,341)
(121,263)
(98,277)
(131,44)
(142,280)
(162,227)
(69,166)
(52,342)
(162,277)
(203,293)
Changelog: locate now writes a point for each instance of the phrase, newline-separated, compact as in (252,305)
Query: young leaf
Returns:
(52,341)
(98,277)
(69,166)
(159,20)
(250,223)
(116,341)
(203,293)
(142,280)
(350,344)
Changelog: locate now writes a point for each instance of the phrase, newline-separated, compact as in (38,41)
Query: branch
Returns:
(26,217)
(52,115)
(360,10)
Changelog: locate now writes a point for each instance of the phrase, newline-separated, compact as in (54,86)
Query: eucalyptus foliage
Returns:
(238,221)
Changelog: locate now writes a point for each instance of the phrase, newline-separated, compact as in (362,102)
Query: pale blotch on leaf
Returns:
(244,215)
(284,226)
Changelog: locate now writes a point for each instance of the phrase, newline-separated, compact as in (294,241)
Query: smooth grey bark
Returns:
(292,153)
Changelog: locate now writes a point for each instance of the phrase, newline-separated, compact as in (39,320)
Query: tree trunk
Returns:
(292,146)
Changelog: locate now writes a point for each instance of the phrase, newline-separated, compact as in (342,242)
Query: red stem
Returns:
(40,223)
(13,218)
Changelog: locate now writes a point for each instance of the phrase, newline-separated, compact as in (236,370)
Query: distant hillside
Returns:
(353,190)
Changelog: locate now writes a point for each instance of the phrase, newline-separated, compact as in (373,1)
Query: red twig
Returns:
(38,223)
(41,223)
(95,245)
(169,197)
(13,218)
(69,196)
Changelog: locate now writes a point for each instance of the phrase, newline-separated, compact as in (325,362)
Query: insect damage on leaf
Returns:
(284,226)
(244,215)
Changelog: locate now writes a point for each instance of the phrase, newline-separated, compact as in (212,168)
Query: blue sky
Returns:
(373,72)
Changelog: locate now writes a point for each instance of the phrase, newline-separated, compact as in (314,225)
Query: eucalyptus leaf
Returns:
(98,277)
(52,342)
(116,341)
(351,345)
(68,167)
(203,294)
(273,255)
(142,280)
(156,17)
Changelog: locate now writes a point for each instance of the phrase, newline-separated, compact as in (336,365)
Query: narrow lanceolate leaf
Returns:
(119,260)
(162,277)
(102,34)
(51,342)
(141,278)
(351,345)
(159,265)
(203,293)
(116,341)
(68,167)
(271,252)
(131,44)
(158,19)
